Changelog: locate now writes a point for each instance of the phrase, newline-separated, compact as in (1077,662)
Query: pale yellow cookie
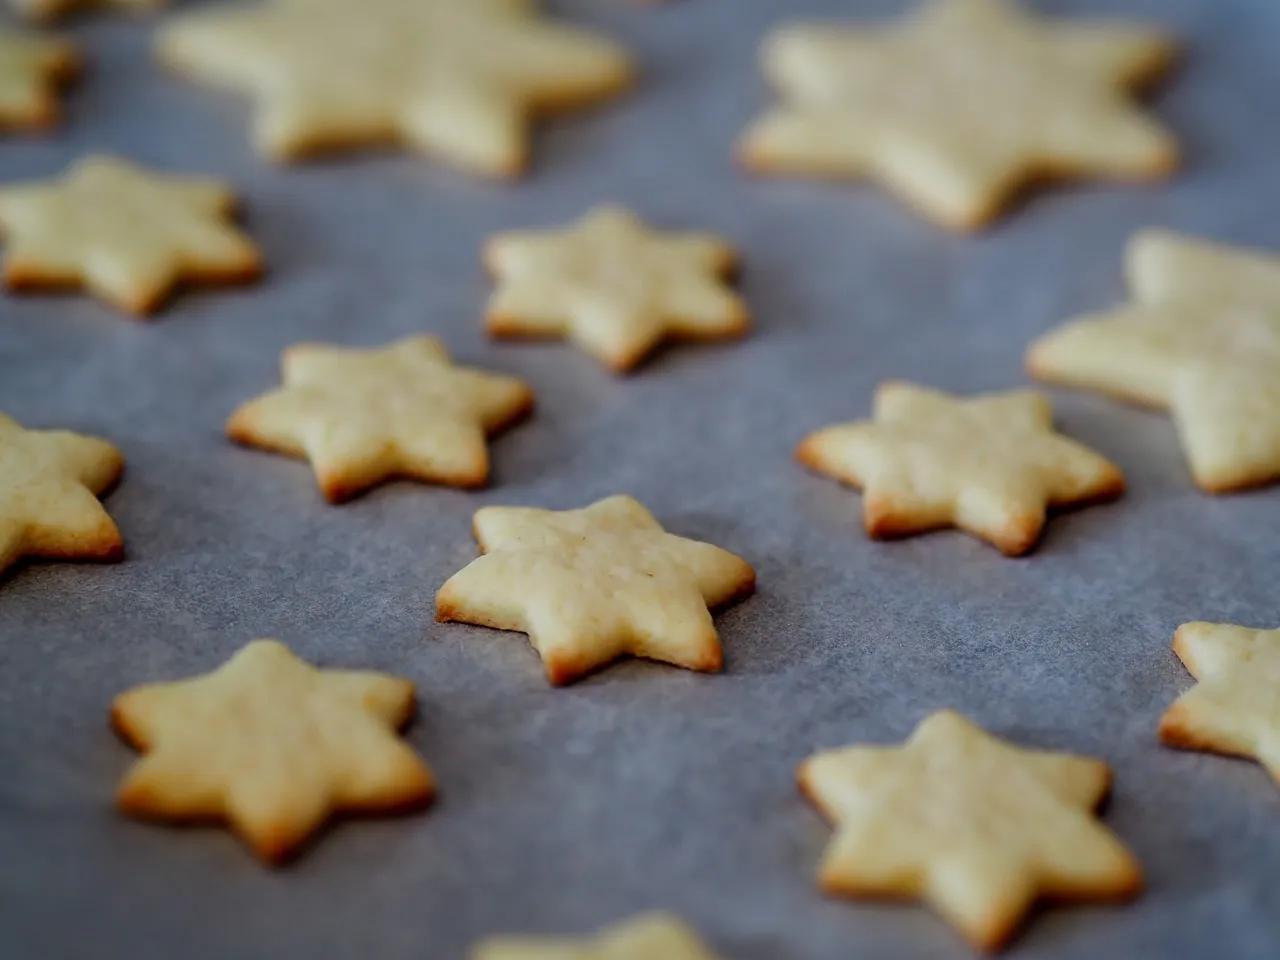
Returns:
(590,585)
(46,10)
(1200,338)
(990,464)
(614,286)
(978,828)
(127,234)
(459,80)
(649,936)
(49,486)
(271,745)
(1235,706)
(362,416)
(32,68)
(962,104)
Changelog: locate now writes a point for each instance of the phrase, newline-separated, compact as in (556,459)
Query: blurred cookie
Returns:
(961,105)
(614,286)
(362,416)
(271,745)
(32,68)
(977,827)
(591,585)
(1200,337)
(650,936)
(990,464)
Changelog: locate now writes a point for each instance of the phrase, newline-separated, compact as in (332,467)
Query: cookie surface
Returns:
(591,585)
(650,936)
(362,416)
(962,104)
(614,286)
(1200,338)
(49,486)
(977,827)
(456,80)
(1234,708)
(45,10)
(271,745)
(990,464)
(126,234)
(32,68)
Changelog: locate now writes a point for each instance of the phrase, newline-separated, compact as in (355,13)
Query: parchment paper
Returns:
(644,786)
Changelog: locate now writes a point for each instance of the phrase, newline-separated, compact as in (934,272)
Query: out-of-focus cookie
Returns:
(990,464)
(1234,708)
(591,585)
(455,80)
(650,936)
(961,105)
(1200,337)
(272,745)
(47,10)
(50,481)
(614,286)
(126,234)
(977,827)
(32,68)
(363,416)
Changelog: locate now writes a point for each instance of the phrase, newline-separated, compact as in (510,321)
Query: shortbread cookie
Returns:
(32,68)
(960,106)
(127,234)
(1200,338)
(990,464)
(973,825)
(49,486)
(46,10)
(457,80)
(590,585)
(650,936)
(365,416)
(271,745)
(614,286)
(1235,706)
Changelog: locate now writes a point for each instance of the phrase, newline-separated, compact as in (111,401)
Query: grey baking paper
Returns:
(644,786)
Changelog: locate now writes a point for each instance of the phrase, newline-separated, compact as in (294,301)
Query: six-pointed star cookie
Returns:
(973,825)
(1235,706)
(49,482)
(961,105)
(990,464)
(613,285)
(364,416)
(31,70)
(590,585)
(650,936)
(272,745)
(45,10)
(1201,338)
(127,234)
(457,79)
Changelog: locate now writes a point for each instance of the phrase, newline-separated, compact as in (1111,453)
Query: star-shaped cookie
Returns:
(650,936)
(364,416)
(990,464)
(590,585)
(128,235)
(973,825)
(49,486)
(614,286)
(46,10)
(1199,337)
(271,745)
(32,68)
(961,105)
(459,80)
(1235,706)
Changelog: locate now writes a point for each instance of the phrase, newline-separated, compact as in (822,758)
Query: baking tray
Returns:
(644,786)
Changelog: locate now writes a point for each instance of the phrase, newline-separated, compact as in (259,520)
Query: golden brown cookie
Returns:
(32,68)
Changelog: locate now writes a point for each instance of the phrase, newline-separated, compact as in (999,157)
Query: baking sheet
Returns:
(644,786)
